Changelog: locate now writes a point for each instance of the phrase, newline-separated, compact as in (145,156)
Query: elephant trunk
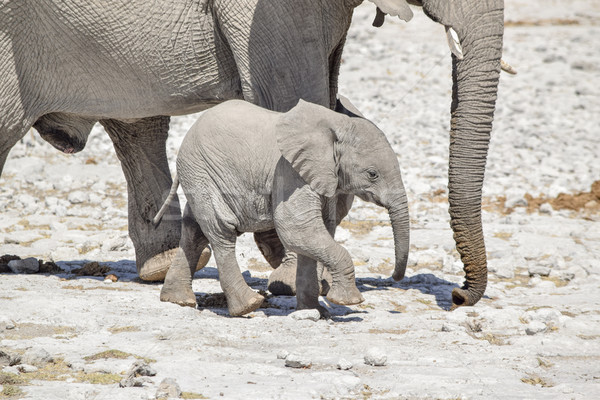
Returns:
(398,211)
(474,92)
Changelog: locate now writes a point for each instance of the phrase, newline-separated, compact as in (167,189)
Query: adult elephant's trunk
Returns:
(398,211)
(479,28)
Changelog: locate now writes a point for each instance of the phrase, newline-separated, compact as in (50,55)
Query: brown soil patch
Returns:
(542,22)
(92,269)
(362,227)
(28,331)
(4,260)
(259,266)
(581,201)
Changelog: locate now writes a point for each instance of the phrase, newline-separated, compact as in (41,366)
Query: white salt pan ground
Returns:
(536,334)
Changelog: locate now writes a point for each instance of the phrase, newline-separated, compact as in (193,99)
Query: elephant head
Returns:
(475,32)
(335,153)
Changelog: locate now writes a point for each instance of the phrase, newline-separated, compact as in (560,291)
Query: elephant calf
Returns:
(247,169)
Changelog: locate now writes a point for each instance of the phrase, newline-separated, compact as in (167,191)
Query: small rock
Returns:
(27,266)
(282,355)
(310,314)
(27,368)
(295,360)
(448,328)
(505,273)
(136,376)
(375,357)
(11,370)
(539,270)
(546,208)
(77,197)
(9,359)
(535,327)
(110,278)
(516,201)
(344,364)
(37,357)
(168,388)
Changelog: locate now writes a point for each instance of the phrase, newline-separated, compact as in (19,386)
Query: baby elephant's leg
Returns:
(307,282)
(178,282)
(240,298)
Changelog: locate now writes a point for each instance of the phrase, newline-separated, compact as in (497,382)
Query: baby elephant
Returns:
(247,169)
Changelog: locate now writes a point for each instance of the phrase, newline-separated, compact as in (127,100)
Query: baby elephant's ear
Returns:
(305,136)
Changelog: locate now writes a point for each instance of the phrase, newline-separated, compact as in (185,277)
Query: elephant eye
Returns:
(373,174)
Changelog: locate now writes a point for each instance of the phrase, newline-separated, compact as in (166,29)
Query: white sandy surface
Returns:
(535,335)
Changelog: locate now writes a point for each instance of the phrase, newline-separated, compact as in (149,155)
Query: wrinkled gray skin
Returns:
(67,64)
(247,169)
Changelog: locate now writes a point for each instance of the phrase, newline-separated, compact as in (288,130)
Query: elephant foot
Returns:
(345,297)
(244,304)
(178,295)
(155,268)
(204,258)
(282,281)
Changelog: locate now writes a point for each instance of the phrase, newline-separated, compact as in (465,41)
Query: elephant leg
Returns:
(282,281)
(240,298)
(178,282)
(140,146)
(307,296)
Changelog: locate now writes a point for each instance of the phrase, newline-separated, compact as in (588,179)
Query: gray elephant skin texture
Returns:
(130,65)
(247,169)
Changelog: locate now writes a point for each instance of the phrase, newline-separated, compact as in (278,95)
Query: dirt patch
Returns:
(116,354)
(258,266)
(588,202)
(4,260)
(542,22)
(46,267)
(92,269)
(362,227)
(27,331)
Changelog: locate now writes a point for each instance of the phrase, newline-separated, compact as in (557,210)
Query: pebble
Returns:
(344,364)
(37,357)
(546,208)
(282,355)
(168,388)
(375,357)
(77,197)
(309,314)
(535,327)
(539,270)
(136,376)
(27,368)
(26,266)
(295,360)
(110,278)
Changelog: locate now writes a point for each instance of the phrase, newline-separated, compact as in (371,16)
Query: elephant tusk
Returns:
(454,42)
(506,67)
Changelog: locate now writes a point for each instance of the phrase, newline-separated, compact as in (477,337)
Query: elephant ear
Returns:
(306,135)
(345,106)
(393,8)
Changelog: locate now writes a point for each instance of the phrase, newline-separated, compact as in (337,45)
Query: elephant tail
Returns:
(172,193)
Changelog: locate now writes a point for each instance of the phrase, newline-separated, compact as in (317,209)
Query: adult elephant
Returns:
(65,64)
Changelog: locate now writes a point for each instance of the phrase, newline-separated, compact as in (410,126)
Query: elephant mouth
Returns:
(370,198)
